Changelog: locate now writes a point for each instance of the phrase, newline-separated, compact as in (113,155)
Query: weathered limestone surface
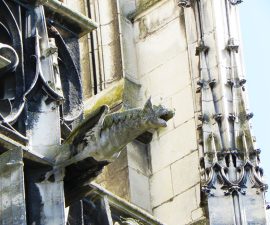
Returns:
(184,109)
(12,197)
(139,189)
(165,74)
(169,148)
(161,186)
(185,173)
(138,157)
(115,177)
(184,204)
(169,71)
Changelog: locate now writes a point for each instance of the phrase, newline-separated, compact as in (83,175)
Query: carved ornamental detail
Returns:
(26,57)
(230,161)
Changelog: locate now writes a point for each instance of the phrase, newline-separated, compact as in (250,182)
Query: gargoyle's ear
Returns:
(148,105)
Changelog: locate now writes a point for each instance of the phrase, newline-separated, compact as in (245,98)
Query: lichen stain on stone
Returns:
(145,4)
(209,146)
(244,124)
(142,6)
(211,153)
(143,28)
(218,144)
(200,222)
(147,27)
(239,143)
(111,97)
(121,92)
(182,21)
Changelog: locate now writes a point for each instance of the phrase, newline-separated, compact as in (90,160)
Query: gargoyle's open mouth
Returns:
(167,115)
(164,116)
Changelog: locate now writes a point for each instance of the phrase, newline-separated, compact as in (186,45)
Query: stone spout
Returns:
(103,135)
(98,141)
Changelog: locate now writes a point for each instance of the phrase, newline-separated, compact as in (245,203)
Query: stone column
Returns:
(43,126)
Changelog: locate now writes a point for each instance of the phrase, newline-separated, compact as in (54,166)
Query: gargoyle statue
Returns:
(99,139)
(105,139)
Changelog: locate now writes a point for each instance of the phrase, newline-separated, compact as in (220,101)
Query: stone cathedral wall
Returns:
(164,72)
(202,168)
(146,43)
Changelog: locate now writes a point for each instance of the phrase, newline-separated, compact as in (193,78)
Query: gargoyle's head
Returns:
(156,116)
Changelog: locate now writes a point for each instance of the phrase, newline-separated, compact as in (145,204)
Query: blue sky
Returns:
(255,20)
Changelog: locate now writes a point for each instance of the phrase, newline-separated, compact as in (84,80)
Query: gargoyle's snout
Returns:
(157,115)
(167,115)
(164,115)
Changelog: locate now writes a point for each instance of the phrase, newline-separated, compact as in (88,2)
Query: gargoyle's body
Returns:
(97,141)
(110,134)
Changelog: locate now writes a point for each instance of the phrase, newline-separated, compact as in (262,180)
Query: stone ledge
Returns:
(8,144)
(76,21)
(120,94)
(124,206)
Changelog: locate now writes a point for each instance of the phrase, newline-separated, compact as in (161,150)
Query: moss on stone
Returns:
(111,96)
(143,5)
(122,92)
